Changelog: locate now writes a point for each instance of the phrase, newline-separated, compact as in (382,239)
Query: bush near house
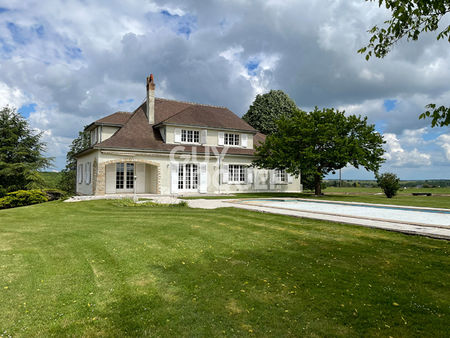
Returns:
(22,197)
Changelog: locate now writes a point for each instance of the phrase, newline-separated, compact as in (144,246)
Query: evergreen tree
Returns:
(21,152)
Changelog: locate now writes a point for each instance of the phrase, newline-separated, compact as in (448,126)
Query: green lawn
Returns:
(100,269)
(435,201)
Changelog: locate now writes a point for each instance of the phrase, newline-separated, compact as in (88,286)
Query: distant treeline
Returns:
(373,183)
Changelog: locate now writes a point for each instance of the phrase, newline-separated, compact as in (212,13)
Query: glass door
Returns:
(124,177)
(188,177)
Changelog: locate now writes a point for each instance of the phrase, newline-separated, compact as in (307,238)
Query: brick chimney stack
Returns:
(150,99)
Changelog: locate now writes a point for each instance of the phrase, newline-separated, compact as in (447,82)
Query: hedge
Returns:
(22,197)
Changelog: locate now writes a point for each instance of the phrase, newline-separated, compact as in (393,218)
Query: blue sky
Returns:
(66,64)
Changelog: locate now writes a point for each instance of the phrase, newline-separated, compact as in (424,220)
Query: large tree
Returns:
(321,142)
(409,19)
(21,153)
(267,108)
(68,174)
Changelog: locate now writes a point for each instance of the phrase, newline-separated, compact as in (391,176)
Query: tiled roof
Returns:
(137,133)
(206,116)
(119,118)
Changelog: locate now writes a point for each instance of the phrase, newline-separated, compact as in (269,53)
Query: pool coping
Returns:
(447,227)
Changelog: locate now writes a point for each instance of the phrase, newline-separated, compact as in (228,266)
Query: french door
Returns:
(124,177)
(188,177)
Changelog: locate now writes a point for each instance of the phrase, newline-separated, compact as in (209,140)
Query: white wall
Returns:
(211,139)
(83,188)
(107,132)
(148,173)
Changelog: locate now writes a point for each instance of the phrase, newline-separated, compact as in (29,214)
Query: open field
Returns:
(102,269)
(407,191)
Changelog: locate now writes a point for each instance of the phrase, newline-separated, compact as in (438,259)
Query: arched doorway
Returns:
(119,178)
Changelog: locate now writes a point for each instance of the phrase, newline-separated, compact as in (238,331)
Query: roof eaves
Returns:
(143,150)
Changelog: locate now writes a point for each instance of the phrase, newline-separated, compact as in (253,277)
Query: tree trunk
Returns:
(317,185)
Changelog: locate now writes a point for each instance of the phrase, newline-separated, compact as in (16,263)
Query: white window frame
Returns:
(237,174)
(124,179)
(188,177)
(232,139)
(190,136)
(281,176)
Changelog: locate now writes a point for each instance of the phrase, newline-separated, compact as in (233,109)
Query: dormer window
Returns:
(190,136)
(231,139)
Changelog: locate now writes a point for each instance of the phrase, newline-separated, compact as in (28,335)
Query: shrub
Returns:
(21,198)
(54,194)
(181,204)
(389,183)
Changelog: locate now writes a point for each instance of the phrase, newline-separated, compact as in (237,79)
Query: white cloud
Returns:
(397,156)
(79,59)
(11,96)
(444,141)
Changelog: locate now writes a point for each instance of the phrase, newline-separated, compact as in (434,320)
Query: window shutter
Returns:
(88,173)
(225,174)
(177,135)
(80,178)
(290,178)
(203,178)
(203,135)
(250,172)
(174,177)
(272,176)
(244,142)
(221,138)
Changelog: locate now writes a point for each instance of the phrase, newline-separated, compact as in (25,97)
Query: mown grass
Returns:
(101,269)
(434,201)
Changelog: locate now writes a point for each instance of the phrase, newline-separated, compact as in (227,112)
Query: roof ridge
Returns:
(191,103)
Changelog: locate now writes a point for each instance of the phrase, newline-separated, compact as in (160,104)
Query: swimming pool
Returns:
(402,214)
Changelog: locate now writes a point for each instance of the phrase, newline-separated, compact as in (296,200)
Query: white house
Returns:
(173,147)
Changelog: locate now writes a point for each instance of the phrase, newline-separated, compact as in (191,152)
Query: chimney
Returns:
(150,99)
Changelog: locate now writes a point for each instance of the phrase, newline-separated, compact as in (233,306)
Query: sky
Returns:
(65,64)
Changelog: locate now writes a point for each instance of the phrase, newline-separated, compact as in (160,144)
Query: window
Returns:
(188,177)
(236,173)
(130,175)
(124,175)
(120,175)
(231,139)
(190,136)
(280,176)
